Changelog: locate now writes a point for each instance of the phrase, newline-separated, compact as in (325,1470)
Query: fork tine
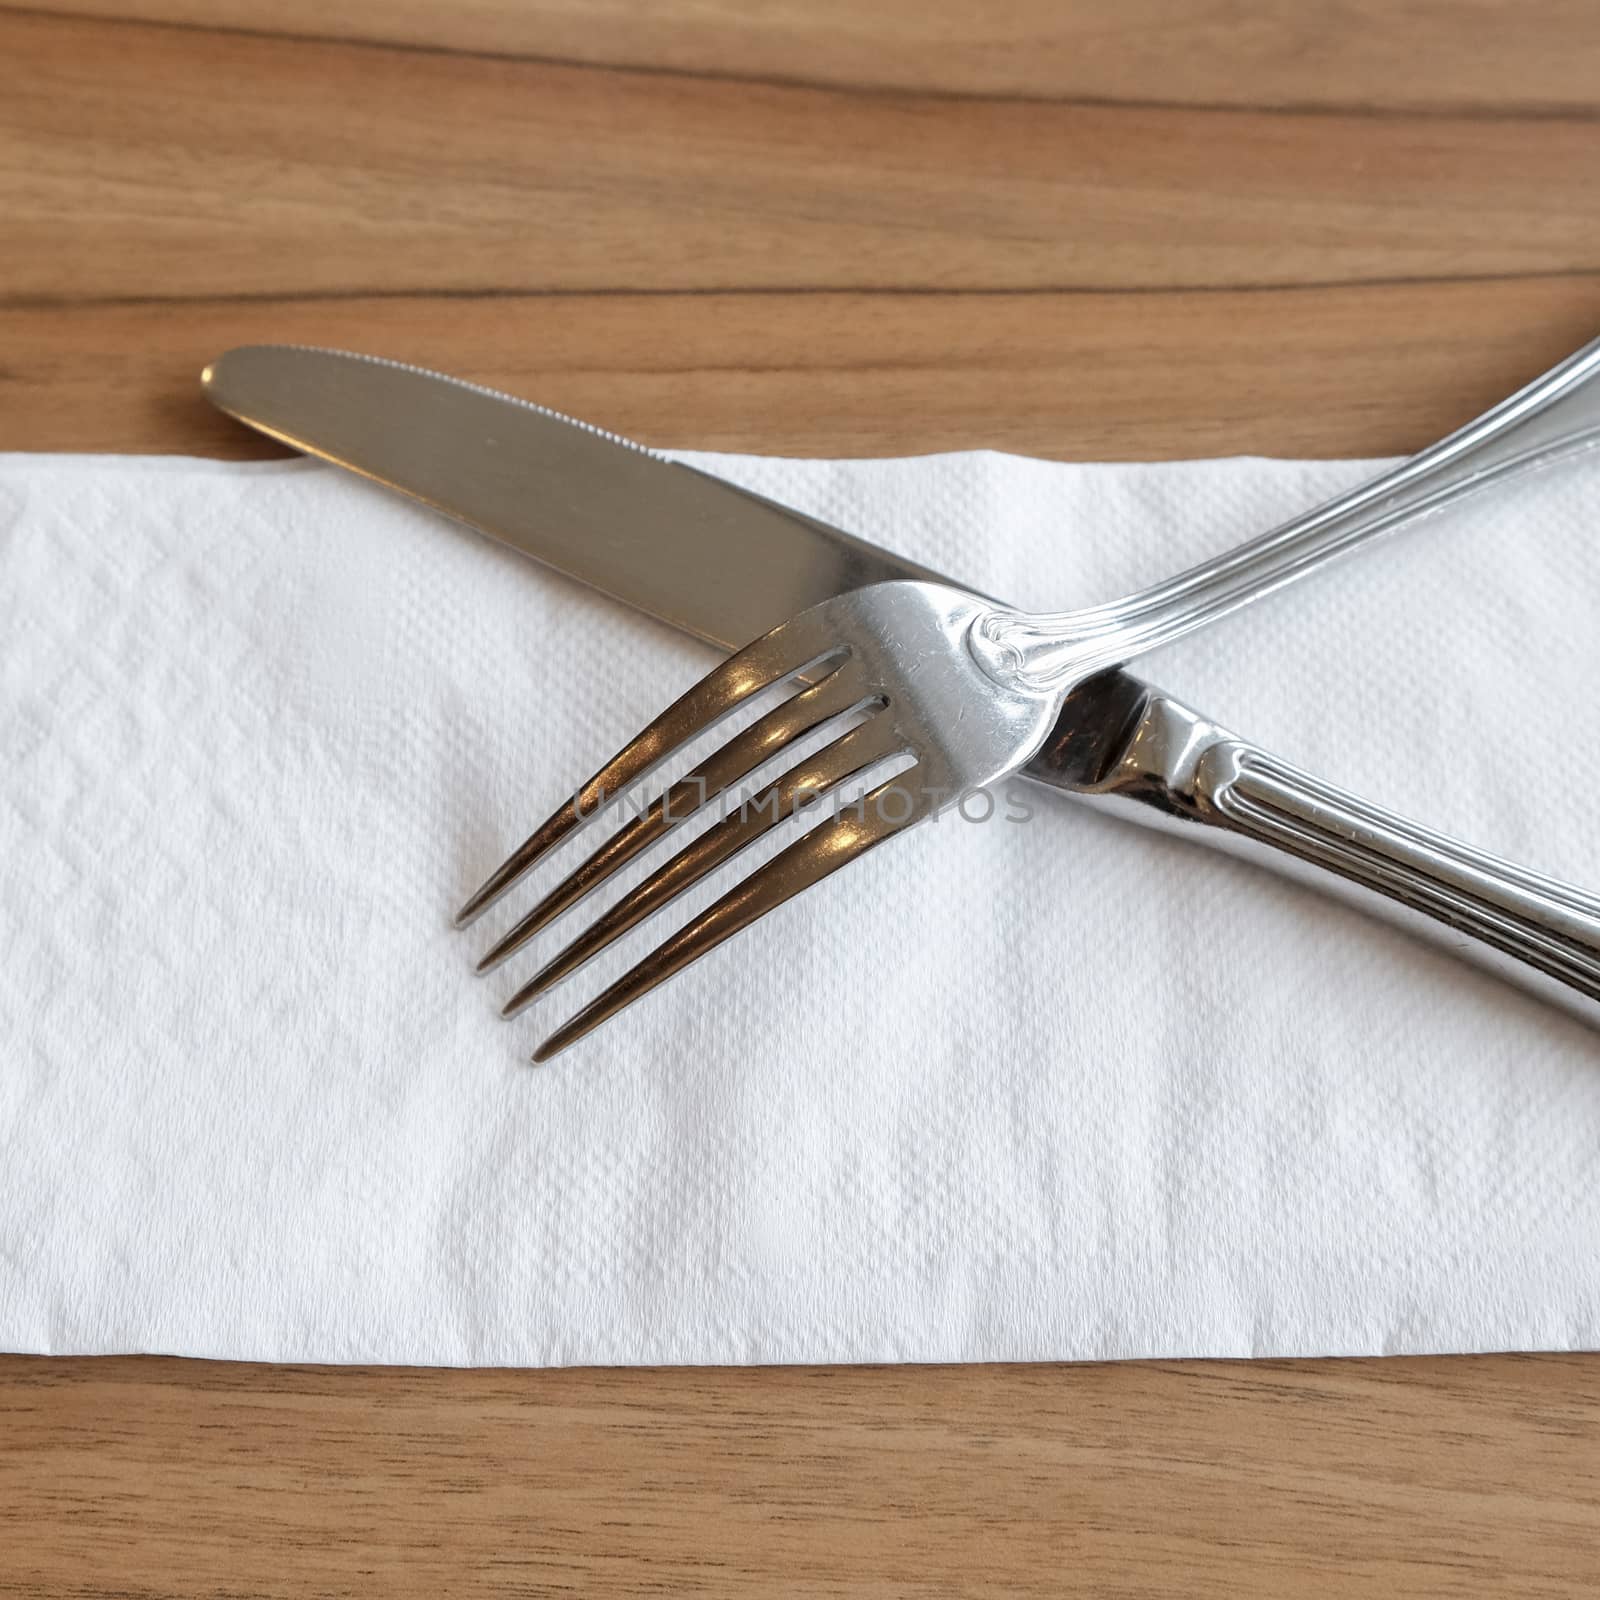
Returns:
(849,754)
(822,851)
(834,696)
(761,663)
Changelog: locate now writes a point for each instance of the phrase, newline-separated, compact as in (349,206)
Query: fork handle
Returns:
(1186,775)
(1555,416)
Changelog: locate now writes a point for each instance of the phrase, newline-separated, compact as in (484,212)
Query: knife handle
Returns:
(1180,773)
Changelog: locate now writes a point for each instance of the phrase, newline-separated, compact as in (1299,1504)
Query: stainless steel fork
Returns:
(967,692)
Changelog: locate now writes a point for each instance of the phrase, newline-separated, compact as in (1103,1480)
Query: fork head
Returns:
(885,674)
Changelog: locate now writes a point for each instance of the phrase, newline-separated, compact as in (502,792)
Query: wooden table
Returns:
(1119,228)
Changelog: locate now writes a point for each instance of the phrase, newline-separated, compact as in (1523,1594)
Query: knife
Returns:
(725,565)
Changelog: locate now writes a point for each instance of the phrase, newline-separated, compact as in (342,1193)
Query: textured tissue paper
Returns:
(1053,1089)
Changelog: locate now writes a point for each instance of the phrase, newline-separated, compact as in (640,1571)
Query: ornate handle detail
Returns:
(1519,917)
(1178,772)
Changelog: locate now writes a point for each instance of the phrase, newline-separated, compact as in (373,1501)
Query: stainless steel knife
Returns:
(725,565)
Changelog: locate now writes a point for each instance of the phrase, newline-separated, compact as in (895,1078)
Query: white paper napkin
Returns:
(1053,1089)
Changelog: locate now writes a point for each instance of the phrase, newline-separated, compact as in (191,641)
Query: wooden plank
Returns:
(1362,372)
(1338,1478)
(1397,54)
(144,162)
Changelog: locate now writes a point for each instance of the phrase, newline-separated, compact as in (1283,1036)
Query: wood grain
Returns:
(1121,228)
(1483,56)
(239,166)
(1206,1478)
(1333,372)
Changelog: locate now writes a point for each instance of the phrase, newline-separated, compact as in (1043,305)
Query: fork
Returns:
(964,690)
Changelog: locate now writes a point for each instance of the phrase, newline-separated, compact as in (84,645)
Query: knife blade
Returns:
(722,563)
(725,565)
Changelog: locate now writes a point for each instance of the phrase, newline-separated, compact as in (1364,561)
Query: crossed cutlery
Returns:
(954,691)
